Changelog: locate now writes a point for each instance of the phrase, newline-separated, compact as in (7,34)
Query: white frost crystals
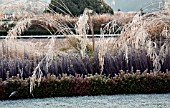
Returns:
(150,34)
(26,13)
(167,5)
(81,27)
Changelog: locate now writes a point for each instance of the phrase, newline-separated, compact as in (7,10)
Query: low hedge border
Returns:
(42,32)
(52,86)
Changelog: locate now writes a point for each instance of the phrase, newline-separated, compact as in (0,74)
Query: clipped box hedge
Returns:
(52,86)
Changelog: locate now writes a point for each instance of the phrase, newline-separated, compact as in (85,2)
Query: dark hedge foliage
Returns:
(52,86)
(76,7)
(41,32)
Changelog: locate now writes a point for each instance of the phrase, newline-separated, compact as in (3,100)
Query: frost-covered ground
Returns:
(115,101)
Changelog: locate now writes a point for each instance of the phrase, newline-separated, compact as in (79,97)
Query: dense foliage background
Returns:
(76,7)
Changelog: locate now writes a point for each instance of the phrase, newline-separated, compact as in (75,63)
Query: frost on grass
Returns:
(146,35)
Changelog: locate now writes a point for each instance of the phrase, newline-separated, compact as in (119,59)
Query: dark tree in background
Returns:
(76,7)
